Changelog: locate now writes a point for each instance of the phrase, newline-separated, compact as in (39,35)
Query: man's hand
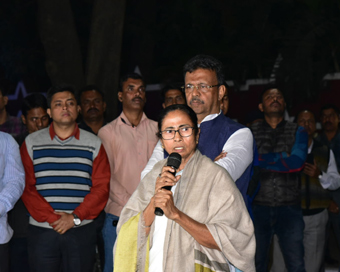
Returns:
(312,170)
(222,155)
(333,207)
(64,223)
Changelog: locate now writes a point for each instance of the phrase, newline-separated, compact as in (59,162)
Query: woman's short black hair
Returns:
(184,108)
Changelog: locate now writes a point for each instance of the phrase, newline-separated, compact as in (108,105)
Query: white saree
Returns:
(208,195)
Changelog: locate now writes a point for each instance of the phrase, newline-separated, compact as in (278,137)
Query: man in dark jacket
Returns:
(282,148)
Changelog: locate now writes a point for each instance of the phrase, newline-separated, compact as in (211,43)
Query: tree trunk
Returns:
(60,41)
(104,51)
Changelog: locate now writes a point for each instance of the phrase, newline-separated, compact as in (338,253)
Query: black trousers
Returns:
(73,251)
(4,257)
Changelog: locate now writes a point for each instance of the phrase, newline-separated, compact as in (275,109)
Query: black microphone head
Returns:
(174,160)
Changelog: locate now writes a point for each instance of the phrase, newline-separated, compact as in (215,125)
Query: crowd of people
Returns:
(74,186)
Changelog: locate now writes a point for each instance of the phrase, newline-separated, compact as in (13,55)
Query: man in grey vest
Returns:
(282,148)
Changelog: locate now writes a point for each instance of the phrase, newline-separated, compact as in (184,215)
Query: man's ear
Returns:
(163,105)
(221,92)
(261,107)
(23,119)
(104,106)
(120,98)
(49,112)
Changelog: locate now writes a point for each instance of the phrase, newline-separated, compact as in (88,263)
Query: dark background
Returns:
(295,43)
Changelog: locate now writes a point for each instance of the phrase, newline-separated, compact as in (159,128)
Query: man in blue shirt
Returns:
(12,183)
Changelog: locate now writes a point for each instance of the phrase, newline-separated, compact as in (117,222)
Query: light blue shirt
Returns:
(12,182)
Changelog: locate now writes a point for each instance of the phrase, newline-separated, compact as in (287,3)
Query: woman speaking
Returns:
(205,226)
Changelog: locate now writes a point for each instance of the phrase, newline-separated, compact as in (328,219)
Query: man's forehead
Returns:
(200,73)
(174,92)
(133,82)
(37,110)
(305,115)
(272,91)
(88,93)
(65,95)
(329,111)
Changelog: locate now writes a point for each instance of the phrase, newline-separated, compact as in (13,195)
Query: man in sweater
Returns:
(282,148)
(128,141)
(67,182)
(227,142)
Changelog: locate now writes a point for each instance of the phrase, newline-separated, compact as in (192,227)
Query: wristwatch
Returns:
(76,220)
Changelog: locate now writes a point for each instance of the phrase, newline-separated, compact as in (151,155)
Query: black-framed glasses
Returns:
(200,87)
(169,134)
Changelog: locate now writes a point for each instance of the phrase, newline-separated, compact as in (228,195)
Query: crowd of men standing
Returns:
(62,193)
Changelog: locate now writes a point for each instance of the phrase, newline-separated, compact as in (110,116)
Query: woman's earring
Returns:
(162,146)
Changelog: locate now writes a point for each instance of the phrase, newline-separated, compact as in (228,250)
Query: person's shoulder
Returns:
(232,122)
(6,138)
(257,124)
(87,134)
(109,127)
(38,134)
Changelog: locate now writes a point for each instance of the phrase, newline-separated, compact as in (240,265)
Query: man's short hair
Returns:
(59,89)
(33,101)
(127,76)
(171,86)
(89,88)
(205,62)
(330,106)
(267,87)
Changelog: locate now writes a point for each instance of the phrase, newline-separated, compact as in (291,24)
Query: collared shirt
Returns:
(12,182)
(40,209)
(13,126)
(128,149)
(239,148)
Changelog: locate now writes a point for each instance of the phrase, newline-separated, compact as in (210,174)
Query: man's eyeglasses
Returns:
(200,87)
(169,134)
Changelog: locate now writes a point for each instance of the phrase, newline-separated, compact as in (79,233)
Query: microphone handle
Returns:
(159,211)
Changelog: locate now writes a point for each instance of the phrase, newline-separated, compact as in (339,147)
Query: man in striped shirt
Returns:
(67,182)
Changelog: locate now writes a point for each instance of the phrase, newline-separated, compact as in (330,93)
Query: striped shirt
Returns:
(12,182)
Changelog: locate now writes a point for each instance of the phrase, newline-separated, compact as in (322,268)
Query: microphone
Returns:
(174,161)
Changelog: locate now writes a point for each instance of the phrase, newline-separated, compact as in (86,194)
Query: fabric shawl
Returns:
(207,194)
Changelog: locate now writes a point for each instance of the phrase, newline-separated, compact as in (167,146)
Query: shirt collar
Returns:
(75,133)
(123,120)
(210,117)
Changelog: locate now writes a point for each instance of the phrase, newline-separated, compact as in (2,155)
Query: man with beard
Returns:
(92,109)
(282,148)
(129,141)
(330,136)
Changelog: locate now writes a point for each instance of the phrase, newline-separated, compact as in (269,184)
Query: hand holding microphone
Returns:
(174,161)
